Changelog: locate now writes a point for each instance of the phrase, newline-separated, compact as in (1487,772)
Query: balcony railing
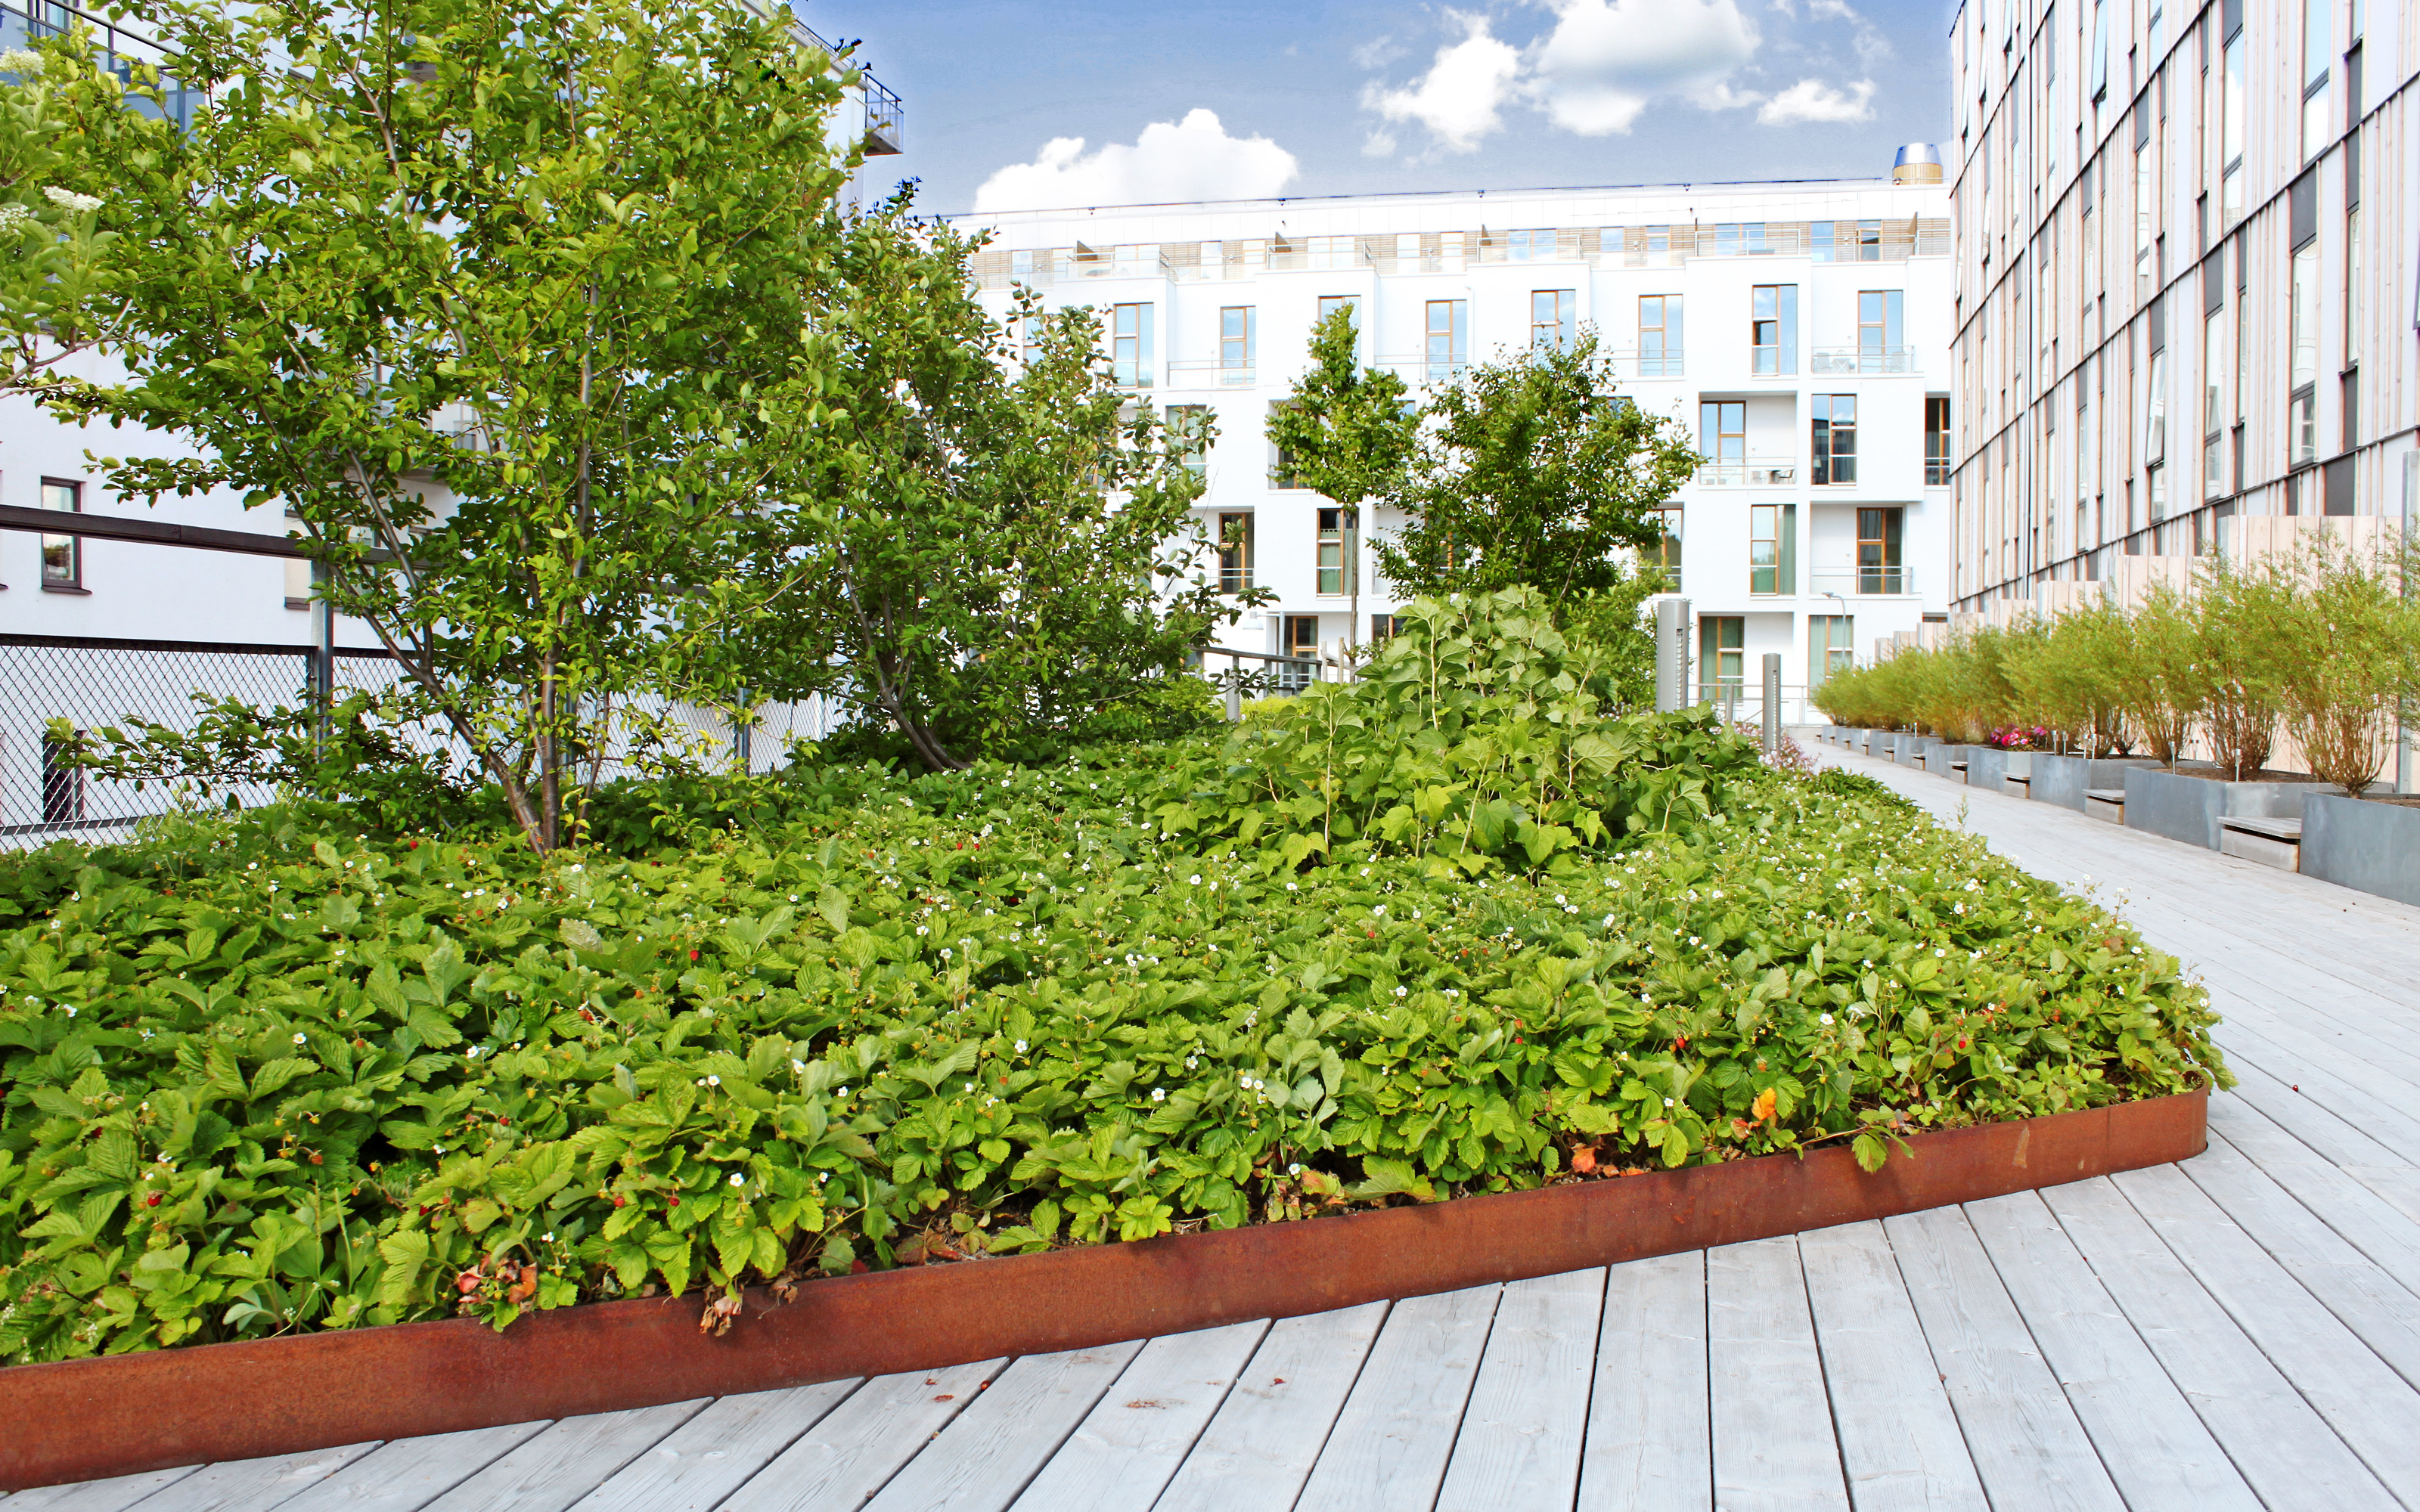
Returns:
(1862,583)
(121,51)
(1211,375)
(1753,473)
(1629,363)
(1417,369)
(1864,360)
(886,119)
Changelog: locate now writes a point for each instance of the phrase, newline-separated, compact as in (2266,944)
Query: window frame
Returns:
(1337,541)
(1833,440)
(1665,360)
(1455,333)
(1234,551)
(66,548)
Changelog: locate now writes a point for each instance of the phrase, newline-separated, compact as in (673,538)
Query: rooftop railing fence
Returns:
(121,51)
(1888,240)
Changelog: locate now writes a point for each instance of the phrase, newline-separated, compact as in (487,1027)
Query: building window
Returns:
(1236,343)
(1330,304)
(63,555)
(2302,417)
(1383,628)
(1130,359)
(1771,532)
(1722,434)
(1773,330)
(1331,254)
(2316,46)
(1835,438)
(1189,436)
(62,783)
(1667,551)
(2155,414)
(2230,137)
(1722,656)
(1830,640)
(1877,547)
(1449,339)
(1881,331)
(1659,335)
(1234,552)
(1301,640)
(2155,489)
(1869,241)
(1340,531)
(1029,336)
(1936,442)
(1552,315)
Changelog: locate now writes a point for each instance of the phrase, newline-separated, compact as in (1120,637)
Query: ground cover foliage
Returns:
(1441,932)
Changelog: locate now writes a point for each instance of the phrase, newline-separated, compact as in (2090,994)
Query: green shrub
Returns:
(266,1074)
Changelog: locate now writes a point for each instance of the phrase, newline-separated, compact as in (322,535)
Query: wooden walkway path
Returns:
(2239,1331)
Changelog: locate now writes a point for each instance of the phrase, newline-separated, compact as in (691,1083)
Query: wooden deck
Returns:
(2239,1331)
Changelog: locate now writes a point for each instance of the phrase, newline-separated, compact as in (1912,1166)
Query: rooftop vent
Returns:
(1918,162)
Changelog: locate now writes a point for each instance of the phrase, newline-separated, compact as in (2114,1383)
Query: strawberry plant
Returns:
(273,1072)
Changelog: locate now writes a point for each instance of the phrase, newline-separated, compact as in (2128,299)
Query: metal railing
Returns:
(1862,583)
(1281,676)
(121,51)
(1744,702)
(1211,374)
(1835,359)
(1754,473)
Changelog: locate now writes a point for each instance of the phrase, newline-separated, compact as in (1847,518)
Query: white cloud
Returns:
(1193,159)
(1812,101)
(1605,59)
(1458,97)
(1378,52)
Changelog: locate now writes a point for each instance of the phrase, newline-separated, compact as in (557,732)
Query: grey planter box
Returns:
(2373,847)
(1908,750)
(1948,760)
(1989,767)
(2064,780)
(2188,809)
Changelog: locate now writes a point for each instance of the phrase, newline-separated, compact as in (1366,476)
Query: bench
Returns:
(2105,803)
(2017,787)
(2276,842)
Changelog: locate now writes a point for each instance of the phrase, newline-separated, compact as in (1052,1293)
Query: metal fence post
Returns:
(1772,703)
(323,655)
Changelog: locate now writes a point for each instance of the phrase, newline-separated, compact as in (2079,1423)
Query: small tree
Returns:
(1533,470)
(994,558)
(1346,432)
(2158,684)
(2238,617)
(2353,640)
(505,303)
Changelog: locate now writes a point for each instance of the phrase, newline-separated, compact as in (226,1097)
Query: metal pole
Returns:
(743,720)
(323,656)
(1234,689)
(1671,654)
(1773,703)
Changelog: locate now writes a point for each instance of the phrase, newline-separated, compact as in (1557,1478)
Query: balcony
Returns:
(120,51)
(1841,360)
(1862,583)
(1211,375)
(1629,363)
(885,118)
(1416,369)
(1751,472)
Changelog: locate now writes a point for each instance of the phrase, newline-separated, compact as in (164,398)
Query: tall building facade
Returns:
(1797,330)
(2185,277)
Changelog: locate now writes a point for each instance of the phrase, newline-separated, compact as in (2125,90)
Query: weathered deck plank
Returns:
(1774,1443)
(1527,1415)
(1123,1454)
(1261,1444)
(983,1460)
(1389,1445)
(1649,1440)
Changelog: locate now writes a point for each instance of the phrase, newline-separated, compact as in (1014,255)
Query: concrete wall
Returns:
(2353,843)
(2188,809)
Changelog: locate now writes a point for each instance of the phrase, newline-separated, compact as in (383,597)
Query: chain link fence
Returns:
(94,684)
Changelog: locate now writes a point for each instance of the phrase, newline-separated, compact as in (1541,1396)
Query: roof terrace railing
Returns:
(121,51)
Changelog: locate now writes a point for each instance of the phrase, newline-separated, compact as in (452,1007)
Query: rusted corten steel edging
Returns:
(83,1419)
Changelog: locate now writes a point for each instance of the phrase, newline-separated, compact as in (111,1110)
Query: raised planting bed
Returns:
(2065,779)
(2368,843)
(2276,842)
(83,1419)
(1908,750)
(2189,805)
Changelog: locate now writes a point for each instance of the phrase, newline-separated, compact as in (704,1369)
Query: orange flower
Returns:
(1763,1106)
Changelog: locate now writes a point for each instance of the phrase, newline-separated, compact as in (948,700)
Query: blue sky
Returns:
(1108,101)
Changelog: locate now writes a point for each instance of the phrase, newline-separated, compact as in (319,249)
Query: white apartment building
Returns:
(2185,279)
(1800,330)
